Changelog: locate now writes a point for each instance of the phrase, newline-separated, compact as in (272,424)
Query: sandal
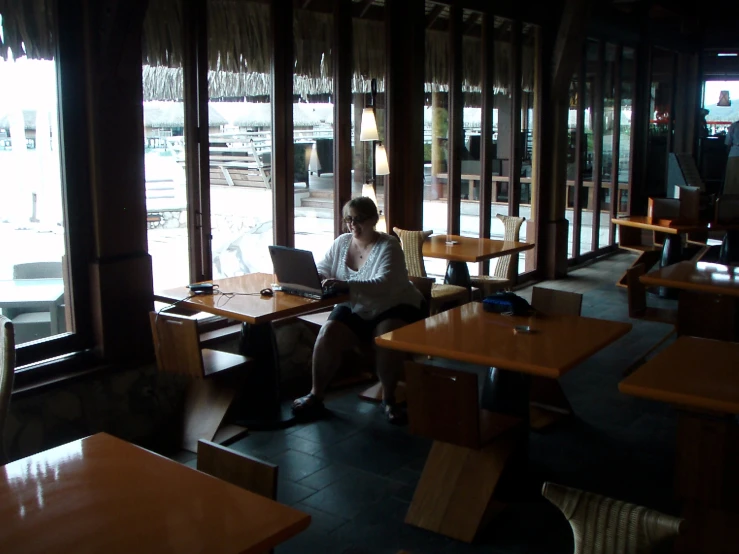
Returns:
(308,406)
(394,414)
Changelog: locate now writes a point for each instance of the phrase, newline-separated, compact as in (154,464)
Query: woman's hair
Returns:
(364,207)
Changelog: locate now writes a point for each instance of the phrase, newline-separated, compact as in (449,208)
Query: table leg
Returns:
(258,406)
(707,483)
(457,273)
(672,252)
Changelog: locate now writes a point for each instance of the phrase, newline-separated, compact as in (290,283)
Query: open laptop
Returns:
(297,273)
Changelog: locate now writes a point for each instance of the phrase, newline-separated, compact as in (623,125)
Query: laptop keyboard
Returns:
(328,292)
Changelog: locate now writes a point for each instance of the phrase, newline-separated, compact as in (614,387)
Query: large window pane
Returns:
(624,144)
(610,82)
(588,184)
(32,231)
(313,137)
(240,130)
(660,120)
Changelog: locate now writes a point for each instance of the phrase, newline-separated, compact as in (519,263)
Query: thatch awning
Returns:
(239,49)
(29,119)
(171,115)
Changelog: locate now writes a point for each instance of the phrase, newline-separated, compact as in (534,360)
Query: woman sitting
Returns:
(370,266)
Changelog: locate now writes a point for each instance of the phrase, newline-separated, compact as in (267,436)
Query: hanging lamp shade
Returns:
(369,191)
(368,129)
(723,99)
(381,167)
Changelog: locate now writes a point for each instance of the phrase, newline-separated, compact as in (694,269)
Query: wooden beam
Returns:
(456,121)
(514,179)
(405,33)
(118,20)
(486,129)
(283,170)
(364,6)
(342,39)
(433,15)
(597,107)
(568,45)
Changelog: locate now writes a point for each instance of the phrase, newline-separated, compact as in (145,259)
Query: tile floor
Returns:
(355,474)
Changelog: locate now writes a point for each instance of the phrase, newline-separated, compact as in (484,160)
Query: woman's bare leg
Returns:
(334,339)
(389,363)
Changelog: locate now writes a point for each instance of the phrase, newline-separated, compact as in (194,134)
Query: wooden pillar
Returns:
(514,176)
(405,33)
(456,123)
(283,163)
(640,128)
(360,162)
(120,272)
(197,153)
(342,39)
(486,129)
(597,107)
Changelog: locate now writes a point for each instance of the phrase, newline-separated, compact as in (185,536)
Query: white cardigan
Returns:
(380,284)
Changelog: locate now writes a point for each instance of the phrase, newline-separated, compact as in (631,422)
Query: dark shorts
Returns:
(365,328)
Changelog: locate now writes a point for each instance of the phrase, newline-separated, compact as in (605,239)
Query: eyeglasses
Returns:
(349,220)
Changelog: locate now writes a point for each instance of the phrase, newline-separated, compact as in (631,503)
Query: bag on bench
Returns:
(504,302)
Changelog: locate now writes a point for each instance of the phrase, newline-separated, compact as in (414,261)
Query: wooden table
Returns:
(707,302)
(468,249)
(34,295)
(701,378)
(257,338)
(102,494)
(469,334)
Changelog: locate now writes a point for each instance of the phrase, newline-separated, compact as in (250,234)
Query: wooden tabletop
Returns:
(671,226)
(102,494)
(691,372)
(247,305)
(470,334)
(470,249)
(697,276)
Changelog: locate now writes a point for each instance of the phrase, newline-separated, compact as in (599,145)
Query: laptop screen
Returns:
(295,268)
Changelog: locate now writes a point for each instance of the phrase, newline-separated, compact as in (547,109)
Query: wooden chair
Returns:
(637,299)
(472,448)
(506,271)
(214,376)
(249,473)
(374,393)
(7,374)
(443,296)
(547,401)
(601,525)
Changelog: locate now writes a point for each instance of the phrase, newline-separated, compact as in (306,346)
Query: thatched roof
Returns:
(168,115)
(29,119)
(239,50)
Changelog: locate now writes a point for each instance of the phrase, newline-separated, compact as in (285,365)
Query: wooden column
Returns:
(616,148)
(283,163)
(197,153)
(640,128)
(405,33)
(597,106)
(486,129)
(456,120)
(342,39)
(120,272)
(514,177)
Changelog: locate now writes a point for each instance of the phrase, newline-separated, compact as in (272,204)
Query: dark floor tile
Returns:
(325,476)
(328,432)
(405,475)
(320,520)
(268,444)
(352,493)
(291,493)
(295,465)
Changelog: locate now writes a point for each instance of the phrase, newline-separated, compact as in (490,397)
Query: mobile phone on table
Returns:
(523,329)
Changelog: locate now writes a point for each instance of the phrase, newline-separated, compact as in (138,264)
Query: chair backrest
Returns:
(663,208)
(443,404)
(601,525)
(238,469)
(176,343)
(690,201)
(556,302)
(727,208)
(412,244)
(7,374)
(38,270)
(636,291)
(512,230)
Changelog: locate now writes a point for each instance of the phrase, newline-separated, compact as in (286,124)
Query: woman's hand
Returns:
(337,284)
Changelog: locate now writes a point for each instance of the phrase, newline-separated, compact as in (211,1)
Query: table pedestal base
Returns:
(548,403)
(457,273)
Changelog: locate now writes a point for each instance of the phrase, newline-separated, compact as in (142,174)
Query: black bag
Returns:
(505,302)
